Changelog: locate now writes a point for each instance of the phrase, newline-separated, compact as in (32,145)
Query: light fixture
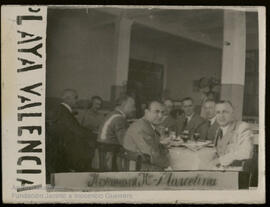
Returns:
(227,43)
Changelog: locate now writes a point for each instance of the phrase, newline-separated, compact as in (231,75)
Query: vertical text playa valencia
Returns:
(29,57)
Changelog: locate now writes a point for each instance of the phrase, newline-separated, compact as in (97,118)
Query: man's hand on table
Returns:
(217,165)
(168,169)
(215,162)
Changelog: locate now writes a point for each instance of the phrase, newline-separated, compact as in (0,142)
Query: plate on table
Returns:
(177,139)
(211,144)
(176,143)
(197,145)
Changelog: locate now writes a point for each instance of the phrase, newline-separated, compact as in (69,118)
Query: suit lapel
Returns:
(213,130)
(70,115)
(149,129)
(191,123)
(226,138)
(180,123)
(224,142)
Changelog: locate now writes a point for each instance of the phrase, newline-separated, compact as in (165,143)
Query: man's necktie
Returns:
(208,128)
(157,132)
(219,136)
(185,124)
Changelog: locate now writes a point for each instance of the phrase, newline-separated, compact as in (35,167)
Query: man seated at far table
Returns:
(143,138)
(113,129)
(189,120)
(74,145)
(93,118)
(168,122)
(234,138)
(211,126)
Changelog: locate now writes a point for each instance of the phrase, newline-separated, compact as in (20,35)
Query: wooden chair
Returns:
(105,150)
(132,161)
(250,168)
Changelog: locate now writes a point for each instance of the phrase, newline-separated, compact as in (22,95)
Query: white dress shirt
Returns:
(189,117)
(224,129)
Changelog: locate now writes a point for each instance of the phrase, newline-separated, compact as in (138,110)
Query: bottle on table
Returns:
(166,132)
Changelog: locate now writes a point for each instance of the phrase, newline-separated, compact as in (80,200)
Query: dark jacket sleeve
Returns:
(179,125)
(68,125)
(199,124)
(202,130)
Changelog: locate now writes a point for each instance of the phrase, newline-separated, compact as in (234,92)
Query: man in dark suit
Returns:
(169,121)
(211,126)
(189,120)
(143,138)
(74,143)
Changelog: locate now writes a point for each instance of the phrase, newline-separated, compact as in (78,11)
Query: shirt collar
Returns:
(121,112)
(67,106)
(212,121)
(189,117)
(153,126)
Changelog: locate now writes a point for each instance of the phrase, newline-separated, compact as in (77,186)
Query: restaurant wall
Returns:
(78,56)
(191,63)
(150,52)
(182,64)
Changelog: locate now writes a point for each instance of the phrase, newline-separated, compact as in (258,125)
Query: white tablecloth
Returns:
(182,158)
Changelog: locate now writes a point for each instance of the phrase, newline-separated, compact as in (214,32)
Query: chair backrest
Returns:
(250,166)
(253,168)
(120,158)
(130,161)
(108,156)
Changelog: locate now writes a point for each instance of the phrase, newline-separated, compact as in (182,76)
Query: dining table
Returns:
(194,156)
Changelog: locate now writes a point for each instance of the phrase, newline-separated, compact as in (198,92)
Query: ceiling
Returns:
(202,25)
(199,25)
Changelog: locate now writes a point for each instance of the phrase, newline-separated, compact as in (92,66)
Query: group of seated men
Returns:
(232,139)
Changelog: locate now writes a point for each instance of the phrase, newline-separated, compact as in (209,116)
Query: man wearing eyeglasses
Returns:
(189,120)
(211,126)
(142,137)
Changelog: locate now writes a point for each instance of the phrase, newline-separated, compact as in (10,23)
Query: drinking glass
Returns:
(172,135)
(185,135)
(196,137)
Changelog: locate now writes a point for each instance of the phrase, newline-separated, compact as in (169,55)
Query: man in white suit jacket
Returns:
(234,139)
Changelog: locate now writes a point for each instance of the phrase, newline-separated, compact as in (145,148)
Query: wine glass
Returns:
(196,137)
(185,135)
(172,135)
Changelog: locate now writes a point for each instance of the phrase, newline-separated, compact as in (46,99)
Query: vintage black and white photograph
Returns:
(152,90)
(143,98)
